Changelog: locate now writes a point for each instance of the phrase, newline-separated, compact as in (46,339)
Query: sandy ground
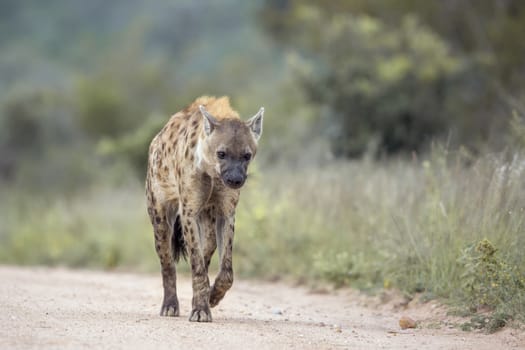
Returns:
(58,308)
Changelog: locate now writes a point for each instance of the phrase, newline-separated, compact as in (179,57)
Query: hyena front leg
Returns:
(224,279)
(207,224)
(160,218)
(200,283)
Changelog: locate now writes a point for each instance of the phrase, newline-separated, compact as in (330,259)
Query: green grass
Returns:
(104,228)
(450,226)
(413,225)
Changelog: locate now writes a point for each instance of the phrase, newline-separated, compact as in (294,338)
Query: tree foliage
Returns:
(395,87)
(401,73)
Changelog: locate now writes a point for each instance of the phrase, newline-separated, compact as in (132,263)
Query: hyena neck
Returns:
(203,162)
(200,157)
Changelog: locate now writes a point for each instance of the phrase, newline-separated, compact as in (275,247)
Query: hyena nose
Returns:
(235,181)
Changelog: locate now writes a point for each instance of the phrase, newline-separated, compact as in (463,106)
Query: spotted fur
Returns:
(196,167)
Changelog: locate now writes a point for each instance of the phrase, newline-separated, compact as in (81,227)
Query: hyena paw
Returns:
(200,314)
(216,296)
(170,308)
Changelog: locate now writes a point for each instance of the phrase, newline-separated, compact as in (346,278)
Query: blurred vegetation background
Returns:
(392,156)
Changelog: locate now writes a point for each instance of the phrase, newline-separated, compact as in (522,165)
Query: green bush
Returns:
(394,87)
(132,147)
(32,118)
(33,121)
(490,283)
(488,280)
(102,108)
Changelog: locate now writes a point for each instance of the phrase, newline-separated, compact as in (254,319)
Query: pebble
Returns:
(407,322)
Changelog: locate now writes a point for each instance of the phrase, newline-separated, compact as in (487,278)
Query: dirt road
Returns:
(57,308)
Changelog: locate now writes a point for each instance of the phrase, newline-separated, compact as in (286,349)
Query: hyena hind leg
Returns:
(164,236)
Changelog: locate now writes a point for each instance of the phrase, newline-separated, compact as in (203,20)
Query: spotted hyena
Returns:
(197,165)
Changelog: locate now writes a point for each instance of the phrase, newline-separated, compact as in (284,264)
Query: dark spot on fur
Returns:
(157,219)
(193,143)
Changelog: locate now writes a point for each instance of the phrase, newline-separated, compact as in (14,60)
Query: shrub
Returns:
(132,147)
(489,283)
(32,121)
(395,87)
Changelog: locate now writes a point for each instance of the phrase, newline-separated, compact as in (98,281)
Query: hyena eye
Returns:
(247,156)
(221,154)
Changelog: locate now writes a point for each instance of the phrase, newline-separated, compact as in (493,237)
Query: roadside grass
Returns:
(102,228)
(450,226)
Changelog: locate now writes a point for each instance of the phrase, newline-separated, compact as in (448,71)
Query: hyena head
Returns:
(229,146)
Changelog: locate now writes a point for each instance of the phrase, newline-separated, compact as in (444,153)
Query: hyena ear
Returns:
(255,124)
(209,121)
